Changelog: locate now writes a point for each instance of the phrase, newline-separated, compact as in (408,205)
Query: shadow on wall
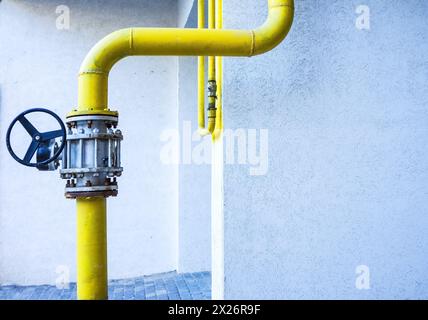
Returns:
(101,9)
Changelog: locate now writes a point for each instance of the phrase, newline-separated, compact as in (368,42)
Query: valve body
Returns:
(91,158)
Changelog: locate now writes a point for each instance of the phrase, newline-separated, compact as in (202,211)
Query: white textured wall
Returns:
(347,183)
(38,67)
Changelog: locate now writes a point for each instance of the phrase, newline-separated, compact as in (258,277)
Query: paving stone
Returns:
(164,286)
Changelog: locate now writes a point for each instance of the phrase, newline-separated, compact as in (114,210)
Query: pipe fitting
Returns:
(94,71)
(212,89)
(92,156)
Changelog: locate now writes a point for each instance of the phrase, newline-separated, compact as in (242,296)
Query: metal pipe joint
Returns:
(91,158)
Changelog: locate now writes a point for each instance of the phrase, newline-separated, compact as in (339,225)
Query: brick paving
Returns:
(164,286)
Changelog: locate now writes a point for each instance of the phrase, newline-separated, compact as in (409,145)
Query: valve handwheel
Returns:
(39,139)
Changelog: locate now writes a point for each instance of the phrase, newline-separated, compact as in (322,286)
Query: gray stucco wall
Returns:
(347,185)
(38,67)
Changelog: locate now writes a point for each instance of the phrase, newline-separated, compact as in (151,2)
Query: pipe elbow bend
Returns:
(113,47)
(276,27)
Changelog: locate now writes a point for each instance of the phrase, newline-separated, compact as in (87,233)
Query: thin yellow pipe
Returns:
(211,25)
(212,86)
(219,14)
(91,248)
(201,14)
(201,72)
(219,76)
(201,75)
(93,77)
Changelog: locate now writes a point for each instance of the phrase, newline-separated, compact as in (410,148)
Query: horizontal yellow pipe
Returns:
(91,248)
(93,77)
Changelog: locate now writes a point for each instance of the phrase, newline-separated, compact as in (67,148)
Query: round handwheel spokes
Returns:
(38,139)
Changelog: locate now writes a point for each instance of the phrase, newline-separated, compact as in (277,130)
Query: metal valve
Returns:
(89,150)
(91,159)
(43,144)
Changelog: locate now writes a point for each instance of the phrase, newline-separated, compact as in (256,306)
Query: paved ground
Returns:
(165,286)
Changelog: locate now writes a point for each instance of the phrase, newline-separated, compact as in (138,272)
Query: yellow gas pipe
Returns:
(91,248)
(93,99)
(211,73)
(212,85)
(219,75)
(211,25)
(201,75)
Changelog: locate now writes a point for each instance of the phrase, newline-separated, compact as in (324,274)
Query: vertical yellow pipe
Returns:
(211,73)
(211,25)
(91,249)
(219,74)
(201,75)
